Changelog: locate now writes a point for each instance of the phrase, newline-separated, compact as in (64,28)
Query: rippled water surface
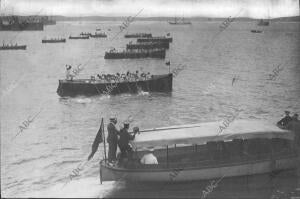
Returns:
(38,161)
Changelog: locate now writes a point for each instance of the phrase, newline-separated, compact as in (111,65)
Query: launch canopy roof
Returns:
(205,132)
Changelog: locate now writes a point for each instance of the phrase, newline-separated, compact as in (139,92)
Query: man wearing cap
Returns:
(284,121)
(124,139)
(149,158)
(295,117)
(112,139)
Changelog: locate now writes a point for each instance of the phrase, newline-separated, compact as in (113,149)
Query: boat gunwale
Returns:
(221,165)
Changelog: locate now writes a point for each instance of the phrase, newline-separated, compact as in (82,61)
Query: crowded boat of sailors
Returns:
(111,78)
(128,76)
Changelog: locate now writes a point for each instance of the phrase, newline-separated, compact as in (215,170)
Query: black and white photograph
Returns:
(150,99)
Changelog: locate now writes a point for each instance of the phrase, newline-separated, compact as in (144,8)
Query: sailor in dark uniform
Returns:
(284,121)
(112,139)
(125,137)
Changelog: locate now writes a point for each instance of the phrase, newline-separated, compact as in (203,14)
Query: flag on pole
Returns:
(98,140)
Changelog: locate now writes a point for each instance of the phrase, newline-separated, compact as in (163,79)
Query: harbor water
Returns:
(224,72)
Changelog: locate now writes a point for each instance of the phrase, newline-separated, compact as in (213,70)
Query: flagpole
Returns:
(104,142)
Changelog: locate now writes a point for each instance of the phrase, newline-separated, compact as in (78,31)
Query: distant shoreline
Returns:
(101,18)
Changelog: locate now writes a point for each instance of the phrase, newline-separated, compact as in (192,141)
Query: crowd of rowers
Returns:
(128,76)
(121,138)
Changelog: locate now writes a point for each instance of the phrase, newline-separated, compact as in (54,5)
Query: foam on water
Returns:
(82,188)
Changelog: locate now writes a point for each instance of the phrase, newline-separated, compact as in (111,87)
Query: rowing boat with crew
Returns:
(89,87)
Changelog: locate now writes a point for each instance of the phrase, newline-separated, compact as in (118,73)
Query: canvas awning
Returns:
(205,132)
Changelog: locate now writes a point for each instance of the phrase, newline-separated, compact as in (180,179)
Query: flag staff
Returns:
(104,142)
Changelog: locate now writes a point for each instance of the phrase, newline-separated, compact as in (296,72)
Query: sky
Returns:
(154,8)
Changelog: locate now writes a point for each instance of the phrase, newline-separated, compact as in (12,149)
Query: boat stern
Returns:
(107,173)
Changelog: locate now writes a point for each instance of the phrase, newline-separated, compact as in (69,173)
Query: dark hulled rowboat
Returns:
(149,45)
(79,37)
(138,35)
(88,87)
(161,54)
(155,39)
(256,31)
(98,35)
(85,34)
(53,40)
(16,47)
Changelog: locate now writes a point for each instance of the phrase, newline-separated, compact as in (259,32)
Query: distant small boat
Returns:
(155,39)
(98,35)
(256,31)
(79,37)
(53,40)
(13,47)
(138,35)
(263,23)
(129,54)
(85,34)
(179,22)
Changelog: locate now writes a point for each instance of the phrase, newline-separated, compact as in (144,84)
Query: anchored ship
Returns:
(13,23)
(46,21)
(132,54)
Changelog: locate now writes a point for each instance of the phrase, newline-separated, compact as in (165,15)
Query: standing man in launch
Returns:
(112,139)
